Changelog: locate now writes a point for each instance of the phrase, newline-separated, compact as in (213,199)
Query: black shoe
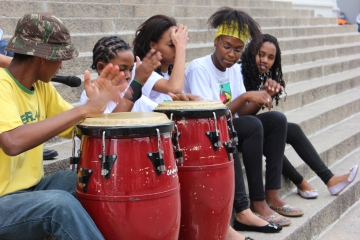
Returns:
(248,238)
(270,228)
(49,154)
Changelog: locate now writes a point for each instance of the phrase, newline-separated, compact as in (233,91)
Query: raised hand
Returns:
(179,36)
(272,87)
(107,87)
(149,63)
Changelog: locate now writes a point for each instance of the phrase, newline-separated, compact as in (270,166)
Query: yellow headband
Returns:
(233,31)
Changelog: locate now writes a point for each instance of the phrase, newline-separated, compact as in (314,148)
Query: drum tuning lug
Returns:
(214,139)
(162,168)
(108,164)
(84,177)
(157,161)
(157,157)
(232,132)
(214,136)
(230,149)
(74,161)
(104,172)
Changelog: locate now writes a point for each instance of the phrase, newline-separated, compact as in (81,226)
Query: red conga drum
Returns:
(127,176)
(204,158)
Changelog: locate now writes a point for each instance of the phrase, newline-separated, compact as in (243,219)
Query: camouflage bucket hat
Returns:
(43,35)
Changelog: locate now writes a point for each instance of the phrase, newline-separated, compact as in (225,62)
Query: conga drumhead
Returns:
(203,108)
(126,123)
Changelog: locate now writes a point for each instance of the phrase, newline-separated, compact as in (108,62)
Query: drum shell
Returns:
(206,179)
(135,202)
(207,195)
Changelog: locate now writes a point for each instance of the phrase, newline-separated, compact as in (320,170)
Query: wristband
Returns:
(136,87)
(138,82)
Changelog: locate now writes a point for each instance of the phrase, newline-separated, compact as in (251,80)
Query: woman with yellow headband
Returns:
(216,76)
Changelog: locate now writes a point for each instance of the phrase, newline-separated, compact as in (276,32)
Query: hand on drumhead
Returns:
(184,97)
(149,63)
(108,86)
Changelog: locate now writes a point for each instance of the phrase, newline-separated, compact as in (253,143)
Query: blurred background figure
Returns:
(358,21)
(3,44)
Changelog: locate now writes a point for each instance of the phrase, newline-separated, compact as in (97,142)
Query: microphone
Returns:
(71,81)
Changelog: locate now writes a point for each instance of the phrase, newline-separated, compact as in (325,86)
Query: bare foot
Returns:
(337,179)
(261,207)
(273,198)
(305,186)
(248,218)
(234,235)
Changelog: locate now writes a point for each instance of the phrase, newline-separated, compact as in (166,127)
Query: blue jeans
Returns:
(48,208)
(3,44)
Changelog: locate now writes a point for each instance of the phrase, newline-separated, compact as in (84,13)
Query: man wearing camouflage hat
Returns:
(33,206)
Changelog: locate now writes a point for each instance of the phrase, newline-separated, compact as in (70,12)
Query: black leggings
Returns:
(262,134)
(303,147)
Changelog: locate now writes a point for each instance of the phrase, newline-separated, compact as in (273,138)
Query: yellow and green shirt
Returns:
(20,106)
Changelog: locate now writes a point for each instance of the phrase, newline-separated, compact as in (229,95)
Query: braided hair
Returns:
(107,48)
(253,80)
(151,31)
(245,23)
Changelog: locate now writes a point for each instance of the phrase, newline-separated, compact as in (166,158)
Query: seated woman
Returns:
(216,76)
(260,71)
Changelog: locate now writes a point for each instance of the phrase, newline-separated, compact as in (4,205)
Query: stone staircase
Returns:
(321,65)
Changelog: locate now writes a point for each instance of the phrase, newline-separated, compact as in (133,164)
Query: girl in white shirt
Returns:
(115,50)
(162,34)
(218,76)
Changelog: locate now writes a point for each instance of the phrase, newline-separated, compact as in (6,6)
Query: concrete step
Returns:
(326,112)
(310,54)
(346,227)
(218,3)
(294,21)
(320,212)
(325,67)
(62,9)
(316,41)
(303,31)
(91,9)
(310,91)
(112,25)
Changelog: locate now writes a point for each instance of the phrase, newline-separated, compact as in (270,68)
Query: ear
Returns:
(215,42)
(100,66)
(153,45)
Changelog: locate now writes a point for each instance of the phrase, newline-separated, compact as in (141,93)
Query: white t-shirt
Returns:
(143,104)
(202,78)
(153,95)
